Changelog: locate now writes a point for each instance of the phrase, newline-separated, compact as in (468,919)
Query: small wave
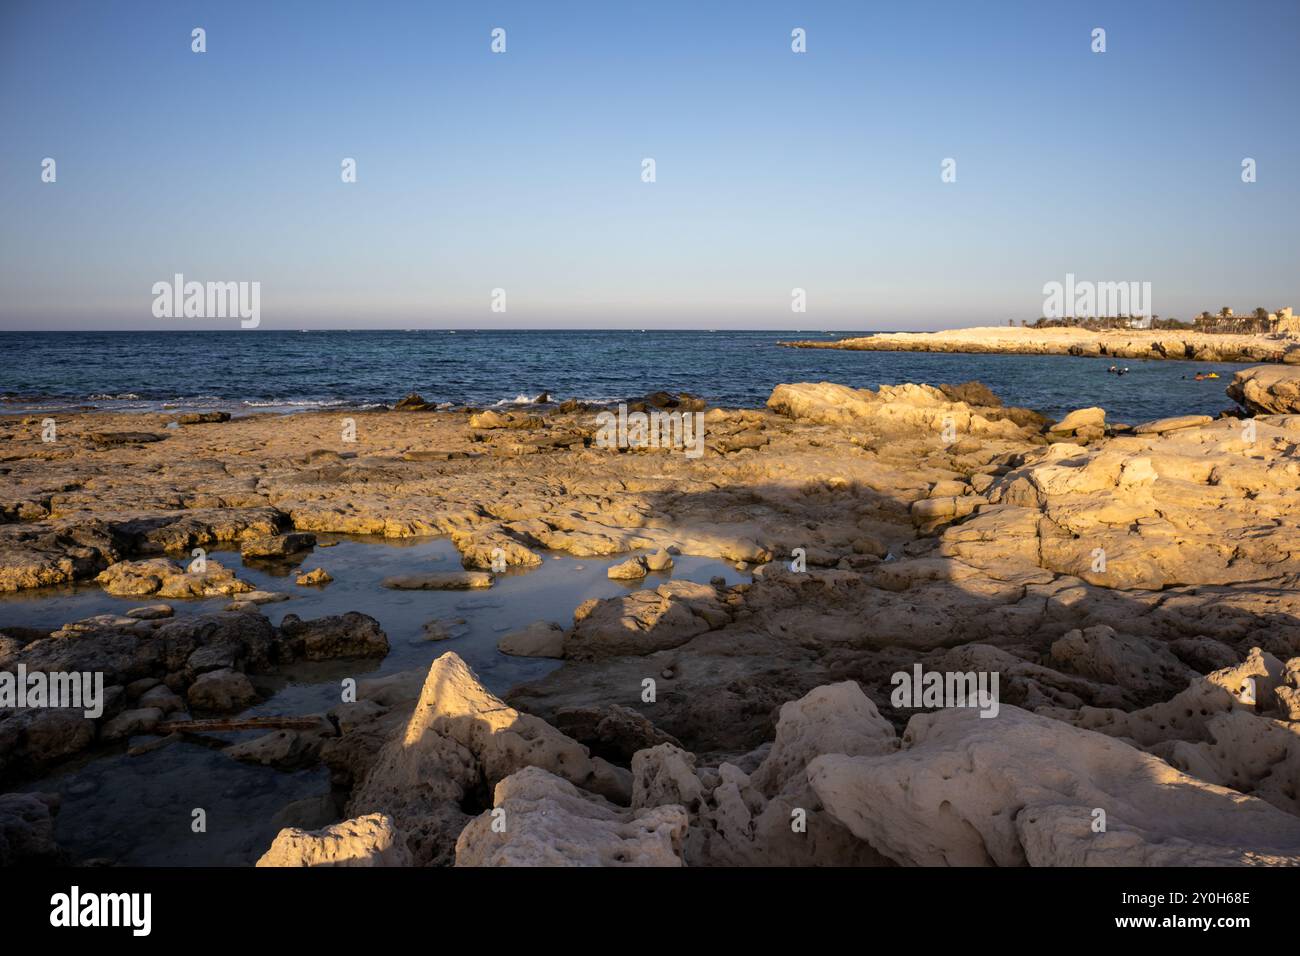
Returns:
(522,399)
(294,402)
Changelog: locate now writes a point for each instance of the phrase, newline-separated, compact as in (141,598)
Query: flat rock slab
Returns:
(277,545)
(424,454)
(440,581)
(542,639)
(124,438)
(1162,425)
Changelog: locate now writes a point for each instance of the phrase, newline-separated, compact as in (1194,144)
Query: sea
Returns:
(266,370)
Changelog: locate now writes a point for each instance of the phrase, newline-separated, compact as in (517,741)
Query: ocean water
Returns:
(284,371)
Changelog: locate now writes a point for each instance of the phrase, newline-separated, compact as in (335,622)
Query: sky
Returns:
(523,170)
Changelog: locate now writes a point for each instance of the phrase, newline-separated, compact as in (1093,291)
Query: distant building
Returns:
(1283,322)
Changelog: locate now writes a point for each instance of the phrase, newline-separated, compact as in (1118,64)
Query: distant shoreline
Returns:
(1119,344)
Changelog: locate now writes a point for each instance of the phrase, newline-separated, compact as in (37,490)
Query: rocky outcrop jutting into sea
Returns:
(1112,343)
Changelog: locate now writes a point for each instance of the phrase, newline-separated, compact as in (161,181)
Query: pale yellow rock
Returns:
(1021,789)
(539,819)
(369,840)
(1082,418)
(1267,389)
(1160,426)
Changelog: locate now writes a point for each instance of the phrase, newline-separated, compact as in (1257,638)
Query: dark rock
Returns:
(412,403)
(27,830)
(124,438)
(328,638)
(277,545)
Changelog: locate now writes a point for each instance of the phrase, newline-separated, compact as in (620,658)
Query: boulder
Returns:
(540,819)
(460,740)
(612,731)
(645,621)
(314,577)
(1143,666)
(412,403)
(1024,789)
(328,638)
(142,720)
(27,830)
(1267,389)
(660,560)
(369,840)
(770,816)
(630,570)
(202,418)
(166,578)
(541,639)
(277,545)
(223,691)
(1081,418)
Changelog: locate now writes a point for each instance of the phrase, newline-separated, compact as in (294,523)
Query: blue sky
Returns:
(522,170)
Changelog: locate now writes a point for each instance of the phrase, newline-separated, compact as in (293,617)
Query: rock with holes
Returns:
(539,819)
(1024,789)
(459,742)
(369,840)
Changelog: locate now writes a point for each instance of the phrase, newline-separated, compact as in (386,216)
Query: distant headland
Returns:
(1219,343)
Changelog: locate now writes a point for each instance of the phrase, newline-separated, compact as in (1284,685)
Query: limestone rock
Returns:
(613,731)
(1140,665)
(440,581)
(1021,789)
(770,816)
(460,739)
(490,420)
(329,638)
(549,822)
(645,621)
(202,418)
(541,639)
(1081,418)
(167,579)
(369,840)
(277,545)
(660,560)
(27,830)
(151,612)
(1267,389)
(282,749)
(630,570)
(130,722)
(413,402)
(1163,425)
(221,691)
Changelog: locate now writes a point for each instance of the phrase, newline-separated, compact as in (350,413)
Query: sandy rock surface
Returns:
(1135,591)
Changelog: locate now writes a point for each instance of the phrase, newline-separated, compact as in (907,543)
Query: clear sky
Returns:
(522,170)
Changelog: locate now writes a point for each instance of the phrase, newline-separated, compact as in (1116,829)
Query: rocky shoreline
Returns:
(1134,588)
(1111,343)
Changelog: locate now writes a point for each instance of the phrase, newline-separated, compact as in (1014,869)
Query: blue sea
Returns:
(265,370)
